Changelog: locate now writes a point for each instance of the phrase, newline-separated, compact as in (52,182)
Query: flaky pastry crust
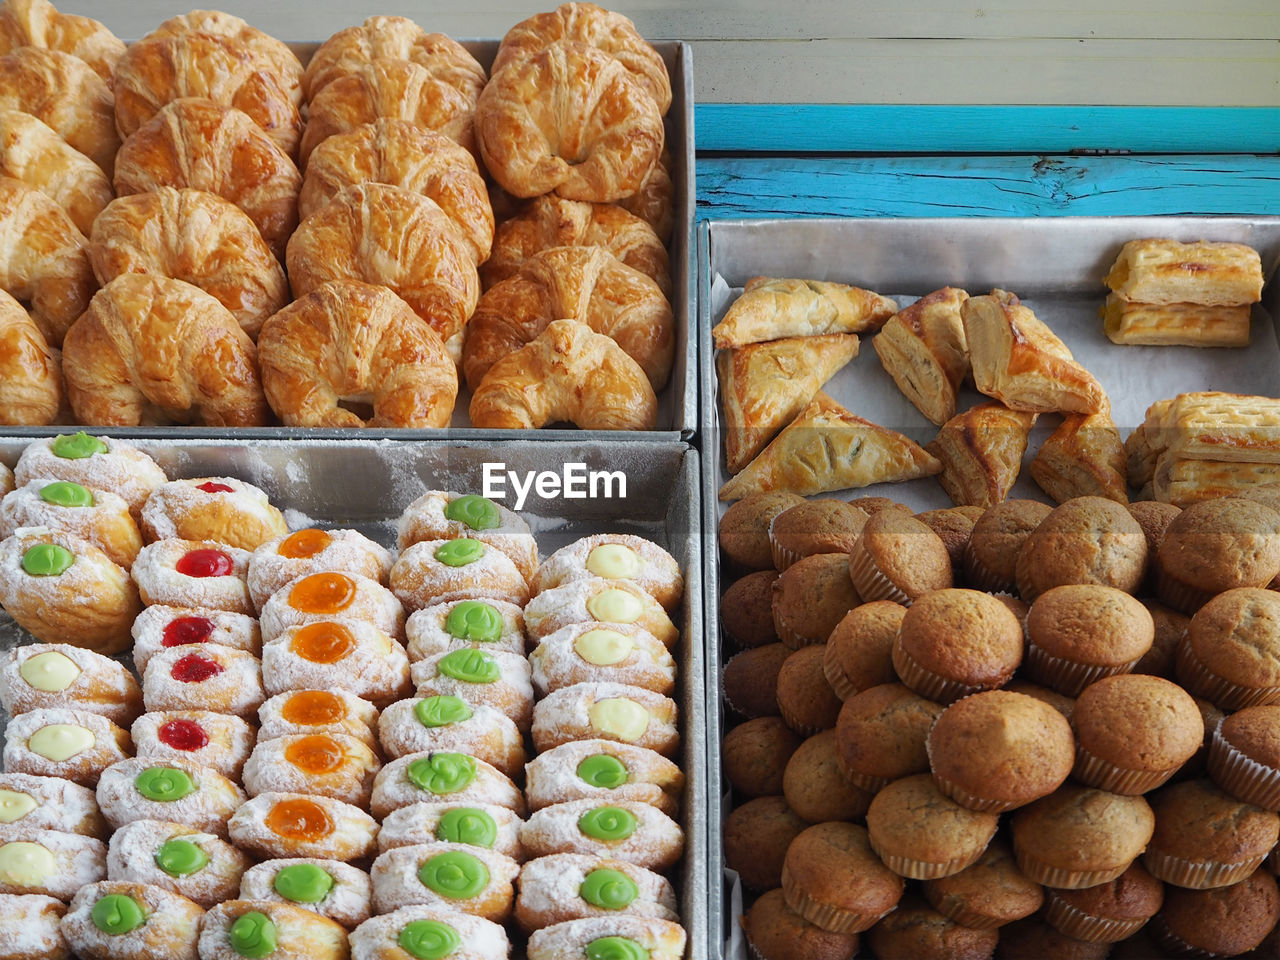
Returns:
(36,23)
(64,92)
(981,452)
(923,348)
(1084,457)
(30,370)
(32,152)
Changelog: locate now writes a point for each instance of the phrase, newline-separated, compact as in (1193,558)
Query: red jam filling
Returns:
(205,563)
(194,668)
(186,630)
(211,486)
(183,735)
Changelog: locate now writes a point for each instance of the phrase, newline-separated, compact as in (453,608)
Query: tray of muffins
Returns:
(992,619)
(379,232)
(327,700)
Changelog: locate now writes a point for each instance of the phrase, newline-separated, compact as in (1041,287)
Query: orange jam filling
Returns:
(323,642)
(299,818)
(303,544)
(311,708)
(323,593)
(315,754)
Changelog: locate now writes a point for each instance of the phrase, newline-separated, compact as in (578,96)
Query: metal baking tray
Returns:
(1055,265)
(366,484)
(678,400)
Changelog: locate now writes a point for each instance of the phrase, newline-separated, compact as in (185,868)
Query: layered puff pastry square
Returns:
(1084,457)
(981,453)
(1175,324)
(771,308)
(1159,270)
(924,349)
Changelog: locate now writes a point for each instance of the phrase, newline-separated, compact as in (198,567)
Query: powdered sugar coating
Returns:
(103,685)
(417,823)
(565,715)
(110,744)
(511,693)
(373,604)
(354,834)
(159,581)
(393,789)
(236,689)
(419,579)
(348,551)
(241,517)
(554,609)
(60,805)
(300,934)
(236,630)
(550,891)
(350,781)
(359,720)
(552,777)
(29,926)
(657,841)
(427,635)
(230,739)
(396,883)
(7,484)
(347,902)
(77,860)
(107,523)
(557,663)
(378,938)
(207,808)
(657,572)
(171,930)
(488,734)
(123,469)
(424,519)
(663,940)
(375,669)
(131,855)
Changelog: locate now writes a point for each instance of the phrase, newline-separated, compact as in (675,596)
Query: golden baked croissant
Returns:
(567,373)
(36,23)
(923,348)
(771,307)
(587,284)
(194,236)
(594,26)
(30,374)
(43,262)
(163,68)
(1084,457)
(981,452)
(151,350)
(568,119)
(403,154)
(394,38)
(654,202)
(34,154)
(197,143)
(64,93)
(388,235)
(348,341)
(551,221)
(389,88)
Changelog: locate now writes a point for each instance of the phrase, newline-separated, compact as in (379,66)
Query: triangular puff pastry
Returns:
(1084,457)
(923,348)
(828,448)
(763,386)
(770,309)
(981,452)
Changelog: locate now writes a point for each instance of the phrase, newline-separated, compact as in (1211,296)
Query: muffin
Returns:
(997,537)
(896,557)
(1059,701)
(755,754)
(1080,633)
(1223,922)
(881,734)
(859,652)
(1154,518)
(1198,765)
(776,932)
(1108,912)
(1244,755)
(917,932)
(756,837)
(998,750)
(1084,540)
(922,834)
(989,893)
(956,642)
(954,525)
(750,680)
(1079,837)
(814,786)
(833,878)
(746,610)
(873,505)
(744,528)
(1230,653)
(811,597)
(805,699)
(1032,937)
(1169,628)
(1214,546)
(814,526)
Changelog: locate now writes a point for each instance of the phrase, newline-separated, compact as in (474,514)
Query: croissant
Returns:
(43,260)
(404,155)
(389,88)
(587,284)
(351,341)
(383,234)
(551,221)
(197,143)
(30,378)
(34,154)
(394,38)
(65,94)
(654,202)
(607,31)
(154,350)
(567,373)
(194,236)
(568,119)
(167,67)
(35,23)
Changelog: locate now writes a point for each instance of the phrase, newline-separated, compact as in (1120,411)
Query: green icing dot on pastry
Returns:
(467,825)
(164,784)
(428,939)
(440,711)
(442,773)
(603,770)
(76,446)
(181,858)
(64,493)
(455,875)
(474,620)
(607,823)
(47,560)
(478,513)
(115,914)
(615,948)
(459,553)
(470,666)
(303,883)
(608,889)
(253,935)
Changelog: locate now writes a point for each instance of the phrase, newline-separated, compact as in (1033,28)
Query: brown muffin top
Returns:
(873,505)
(756,838)
(818,526)
(953,525)
(1154,518)
(963,635)
(1090,623)
(1218,544)
(993,887)
(1198,821)
(779,933)
(833,863)
(755,753)
(912,818)
(1083,829)
(744,528)
(1064,704)
(1237,636)
(1033,938)
(805,699)
(858,653)
(1134,895)
(1169,627)
(918,931)
(1001,746)
(746,609)
(1225,921)
(750,680)
(811,597)
(1255,732)
(998,536)
(1084,540)
(1138,722)
(881,732)
(814,786)
(907,552)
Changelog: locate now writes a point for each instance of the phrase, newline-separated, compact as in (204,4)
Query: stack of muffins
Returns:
(1023,731)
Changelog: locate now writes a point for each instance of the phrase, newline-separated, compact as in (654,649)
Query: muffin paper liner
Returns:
(790,719)
(1051,876)
(1195,675)
(1073,922)
(870,583)
(839,682)
(1093,771)
(1066,676)
(980,575)
(1241,776)
(791,639)
(914,869)
(1178,947)
(825,915)
(865,781)
(782,556)
(1198,874)
(925,682)
(1181,596)
(968,800)
(955,908)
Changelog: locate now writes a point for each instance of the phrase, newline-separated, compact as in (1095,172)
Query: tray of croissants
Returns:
(390,230)
(329,701)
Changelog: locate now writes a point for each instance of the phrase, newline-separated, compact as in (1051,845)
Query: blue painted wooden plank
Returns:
(997,186)
(924,128)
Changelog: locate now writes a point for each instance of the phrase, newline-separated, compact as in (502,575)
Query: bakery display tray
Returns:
(365,484)
(1055,265)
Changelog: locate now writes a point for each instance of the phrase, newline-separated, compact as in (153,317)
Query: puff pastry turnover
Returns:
(771,308)
(924,349)
(1184,482)
(828,448)
(1216,426)
(1179,324)
(981,453)
(1084,457)
(1157,270)
(763,386)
